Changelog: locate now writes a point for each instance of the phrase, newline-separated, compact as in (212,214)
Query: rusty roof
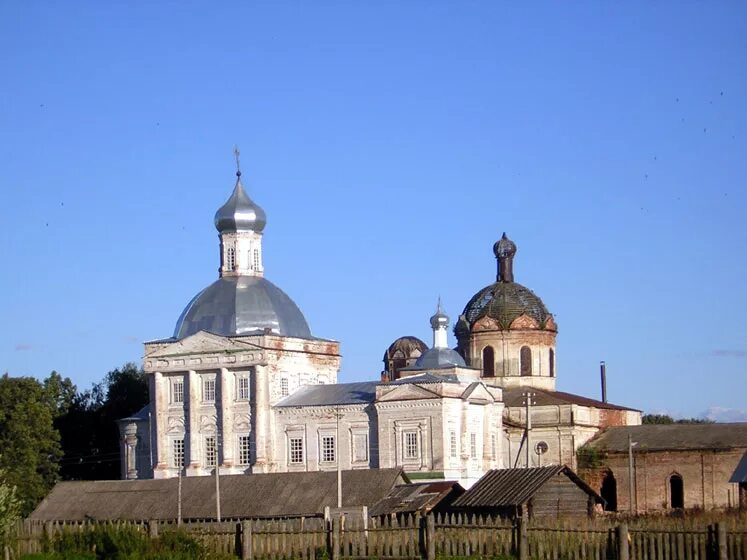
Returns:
(513,396)
(242,496)
(421,497)
(513,487)
(666,437)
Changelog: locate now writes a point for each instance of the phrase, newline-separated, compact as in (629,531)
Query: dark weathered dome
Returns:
(505,302)
(406,345)
(235,305)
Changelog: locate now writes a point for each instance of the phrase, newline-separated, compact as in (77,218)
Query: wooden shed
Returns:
(419,498)
(542,492)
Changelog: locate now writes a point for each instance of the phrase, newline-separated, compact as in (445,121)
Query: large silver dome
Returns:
(236,305)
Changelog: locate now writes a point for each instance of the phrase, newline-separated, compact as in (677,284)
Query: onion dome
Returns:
(440,358)
(406,346)
(240,213)
(242,305)
(505,300)
(439,319)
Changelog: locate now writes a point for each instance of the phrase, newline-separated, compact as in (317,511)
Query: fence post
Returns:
(430,536)
(246,540)
(153,529)
(335,552)
(523,537)
(721,541)
(623,546)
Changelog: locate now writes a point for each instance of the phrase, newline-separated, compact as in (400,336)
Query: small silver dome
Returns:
(439,319)
(440,358)
(237,305)
(240,213)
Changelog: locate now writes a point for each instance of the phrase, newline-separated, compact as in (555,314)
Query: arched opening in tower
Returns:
(525,359)
(488,362)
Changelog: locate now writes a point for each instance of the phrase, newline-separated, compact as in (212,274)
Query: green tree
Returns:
(28,439)
(10,508)
(666,419)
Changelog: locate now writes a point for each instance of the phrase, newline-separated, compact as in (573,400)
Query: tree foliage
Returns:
(666,419)
(10,508)
(89,431)
(29,442)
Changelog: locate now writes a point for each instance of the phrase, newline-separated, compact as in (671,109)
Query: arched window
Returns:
(488,362)
(609,491)
(526,360)
(231,258)
(552,366)
(676,492)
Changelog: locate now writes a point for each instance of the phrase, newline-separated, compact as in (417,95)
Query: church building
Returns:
(244,386)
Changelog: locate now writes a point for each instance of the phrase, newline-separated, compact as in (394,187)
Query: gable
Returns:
(478,392)
(408,392)
(203,343)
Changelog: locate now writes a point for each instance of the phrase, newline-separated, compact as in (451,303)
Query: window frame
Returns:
(177,382)
(209,387)
(211,451)
(242,380)
(410,445)
(244,449)
(177,453)
(296,454)
(326,451)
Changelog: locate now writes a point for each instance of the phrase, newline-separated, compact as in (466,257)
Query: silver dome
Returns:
(237,305)
(240,213)
(439,358)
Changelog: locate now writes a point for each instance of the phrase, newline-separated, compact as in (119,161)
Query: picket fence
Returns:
(351,537)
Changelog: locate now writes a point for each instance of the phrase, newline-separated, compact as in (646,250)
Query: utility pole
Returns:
(179,497)
(337,456)
(631,477)
(528,403)
(217,475)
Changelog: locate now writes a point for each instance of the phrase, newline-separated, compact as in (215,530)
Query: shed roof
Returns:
(242,496)
(420,497)
(661,437)
(514,396)
(331,395)
(513,487)
(740,473)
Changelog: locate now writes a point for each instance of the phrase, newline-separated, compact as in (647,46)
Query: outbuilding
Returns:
(540,492)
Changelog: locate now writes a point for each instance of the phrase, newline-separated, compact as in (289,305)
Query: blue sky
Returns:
(390,143)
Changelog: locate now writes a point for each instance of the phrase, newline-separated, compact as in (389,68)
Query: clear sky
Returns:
(390,143)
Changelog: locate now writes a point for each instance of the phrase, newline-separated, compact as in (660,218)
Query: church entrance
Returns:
(676,492)
(609,491)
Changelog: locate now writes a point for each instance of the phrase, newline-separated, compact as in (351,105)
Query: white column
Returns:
(159,397)
(262,418)
(226,400)
(440,338)
(193,428)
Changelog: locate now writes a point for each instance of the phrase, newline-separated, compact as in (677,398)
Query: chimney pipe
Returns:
(603,373)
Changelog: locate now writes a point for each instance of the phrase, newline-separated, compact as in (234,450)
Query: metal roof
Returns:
(427,377)
(513,487)
(406,345)
(331,395)
(439,358)
(235,305)
(240,213)
(513,396)
(505,302)
(740,473)
(242,496)
(661,437)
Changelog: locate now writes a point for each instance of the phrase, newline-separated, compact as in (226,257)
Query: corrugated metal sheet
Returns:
(338,393)
(513,487)
(667,437)
(740,473)
(242,496)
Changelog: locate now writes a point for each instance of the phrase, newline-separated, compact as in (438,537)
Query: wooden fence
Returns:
(414,537)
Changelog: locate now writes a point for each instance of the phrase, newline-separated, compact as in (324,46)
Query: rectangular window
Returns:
(243,389)
(256,259)
(211,451)
(295,448)
(473,445)
(411,445)
(245,454)
(453,445)
(208,390)
(493,447)
(360,448)
(328,449)
(178,453)
(284,387)
(177,391)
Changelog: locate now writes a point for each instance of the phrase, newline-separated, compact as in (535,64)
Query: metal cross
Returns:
(236,154)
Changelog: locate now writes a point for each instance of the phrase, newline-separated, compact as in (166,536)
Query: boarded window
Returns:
(453,445)
(525,357)
(552,365)
(676,491)
(360,448)
(488,362)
